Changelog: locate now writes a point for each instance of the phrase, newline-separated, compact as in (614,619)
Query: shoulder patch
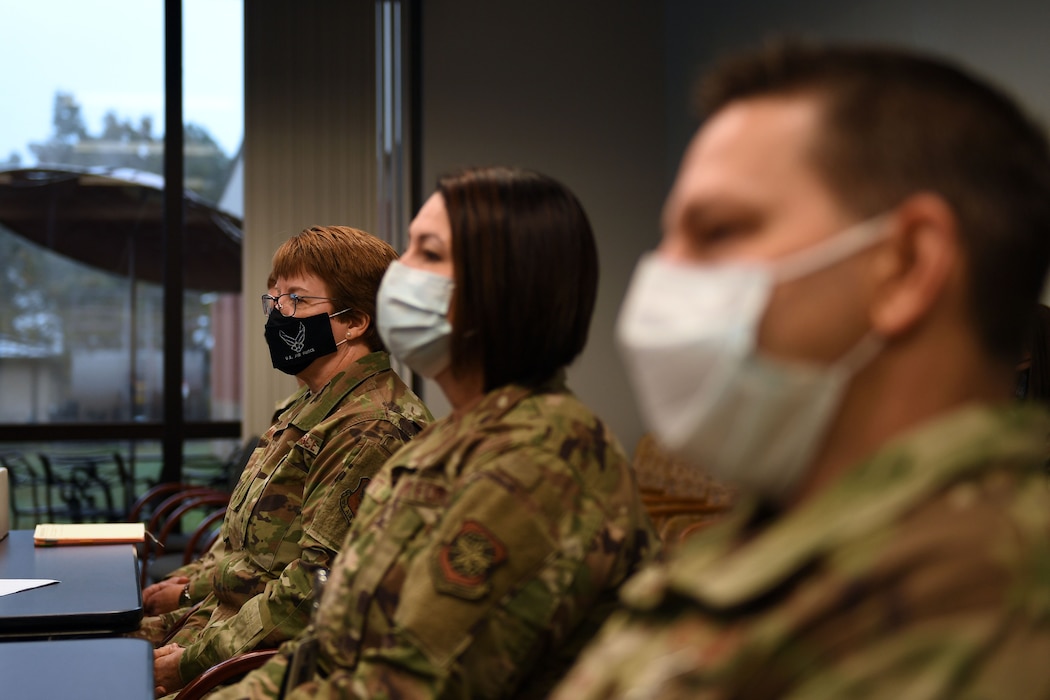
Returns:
(350,499)
(463,566)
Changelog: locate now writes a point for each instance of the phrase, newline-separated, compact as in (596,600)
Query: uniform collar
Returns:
(320,405)
(500,401)
(448,441)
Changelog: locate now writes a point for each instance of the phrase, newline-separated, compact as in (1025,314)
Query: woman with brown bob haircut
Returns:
(487,550)
(526,274)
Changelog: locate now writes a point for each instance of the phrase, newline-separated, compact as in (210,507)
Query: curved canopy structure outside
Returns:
(113,219)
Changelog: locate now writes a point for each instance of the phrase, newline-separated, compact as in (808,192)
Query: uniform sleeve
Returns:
(510,569)
(334,485)
(199,572)
(188,570)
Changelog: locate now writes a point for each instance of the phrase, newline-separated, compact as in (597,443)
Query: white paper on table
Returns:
(14,585)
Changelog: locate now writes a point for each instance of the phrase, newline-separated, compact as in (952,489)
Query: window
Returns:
(82,215)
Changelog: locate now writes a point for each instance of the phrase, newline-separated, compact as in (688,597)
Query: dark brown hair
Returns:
(1034,381)
(526,274)
(350,262)
(897,123)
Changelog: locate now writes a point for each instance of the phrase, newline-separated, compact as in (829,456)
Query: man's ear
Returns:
(356,323)
(914,268)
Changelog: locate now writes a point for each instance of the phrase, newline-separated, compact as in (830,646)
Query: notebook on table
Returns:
(50,534)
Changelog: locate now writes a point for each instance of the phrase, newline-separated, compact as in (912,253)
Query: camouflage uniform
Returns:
(292,507)
(923,573)
(486,553)
(156,628)
(200,570)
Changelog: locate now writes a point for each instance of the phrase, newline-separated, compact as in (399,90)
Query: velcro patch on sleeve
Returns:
(463,565)
(350,500)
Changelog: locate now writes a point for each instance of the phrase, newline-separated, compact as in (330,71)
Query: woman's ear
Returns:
(356,324)
(913,270)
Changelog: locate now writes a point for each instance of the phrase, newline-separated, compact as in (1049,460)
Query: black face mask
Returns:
(296,342)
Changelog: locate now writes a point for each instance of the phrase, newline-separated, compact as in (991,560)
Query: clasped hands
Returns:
(166,677)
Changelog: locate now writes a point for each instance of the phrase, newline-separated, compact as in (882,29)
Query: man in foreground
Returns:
(851,252)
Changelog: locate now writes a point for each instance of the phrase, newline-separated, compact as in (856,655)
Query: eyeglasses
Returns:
(269,303)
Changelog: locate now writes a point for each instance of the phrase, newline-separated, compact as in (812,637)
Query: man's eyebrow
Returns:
(700,212)
(691,213)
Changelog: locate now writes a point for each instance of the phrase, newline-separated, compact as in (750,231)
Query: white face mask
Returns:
(688,336)
(412,316)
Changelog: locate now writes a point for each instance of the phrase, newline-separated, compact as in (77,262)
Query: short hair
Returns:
(350,262)
(525,272)
(896,123)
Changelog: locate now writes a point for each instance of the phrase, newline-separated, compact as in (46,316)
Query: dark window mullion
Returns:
(174,220)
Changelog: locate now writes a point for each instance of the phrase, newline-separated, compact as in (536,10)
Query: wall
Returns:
(309,150)
(575,90)
(595,93)
(1005,41)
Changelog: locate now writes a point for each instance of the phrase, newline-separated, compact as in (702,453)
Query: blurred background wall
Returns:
(597,93)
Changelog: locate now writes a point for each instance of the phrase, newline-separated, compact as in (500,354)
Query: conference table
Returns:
(97,593)
(110,668)
(64,639)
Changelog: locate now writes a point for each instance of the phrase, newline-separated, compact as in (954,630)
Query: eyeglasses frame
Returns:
(274,302)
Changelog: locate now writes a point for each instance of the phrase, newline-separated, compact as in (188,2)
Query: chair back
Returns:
(91,484)
(178,500)
(681,499)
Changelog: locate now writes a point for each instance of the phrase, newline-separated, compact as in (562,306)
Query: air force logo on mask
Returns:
(296,343)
